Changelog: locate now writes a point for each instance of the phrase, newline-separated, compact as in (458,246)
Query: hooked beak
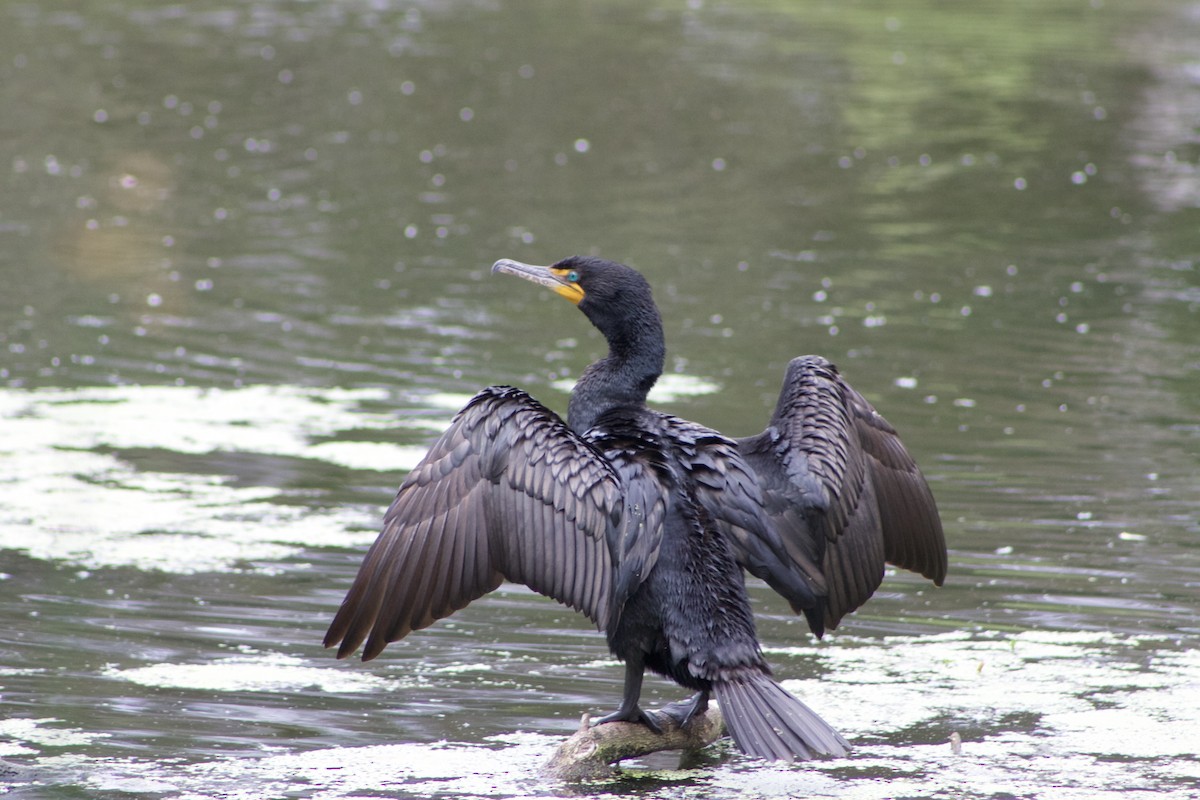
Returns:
(543,276)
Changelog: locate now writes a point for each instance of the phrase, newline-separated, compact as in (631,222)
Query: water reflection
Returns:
(184,480)
(244,258)
(1003,695)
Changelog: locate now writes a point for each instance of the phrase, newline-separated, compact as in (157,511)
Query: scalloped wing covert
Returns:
(729,490)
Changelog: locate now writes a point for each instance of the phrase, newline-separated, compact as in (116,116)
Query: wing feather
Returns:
(912,530)
(842,490)
(638,540)
(508,491)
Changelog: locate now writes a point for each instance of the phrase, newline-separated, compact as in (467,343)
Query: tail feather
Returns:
(767,722)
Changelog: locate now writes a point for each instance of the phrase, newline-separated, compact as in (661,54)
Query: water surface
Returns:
(245,253)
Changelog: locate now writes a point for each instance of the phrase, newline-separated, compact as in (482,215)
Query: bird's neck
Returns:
(621,379)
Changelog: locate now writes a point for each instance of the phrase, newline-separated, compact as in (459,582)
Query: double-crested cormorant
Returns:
(644,521)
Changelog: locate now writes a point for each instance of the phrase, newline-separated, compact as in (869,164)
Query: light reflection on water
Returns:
(1114,732)
(244,254)
(116,476)
(470,679)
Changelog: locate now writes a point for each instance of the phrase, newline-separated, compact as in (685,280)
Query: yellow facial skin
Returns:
(569,288)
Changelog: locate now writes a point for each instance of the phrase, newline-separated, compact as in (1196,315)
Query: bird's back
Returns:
(683,602)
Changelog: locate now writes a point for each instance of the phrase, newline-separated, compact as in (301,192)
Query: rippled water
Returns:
(244,250)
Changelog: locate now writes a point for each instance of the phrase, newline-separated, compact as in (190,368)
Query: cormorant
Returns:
(644,521)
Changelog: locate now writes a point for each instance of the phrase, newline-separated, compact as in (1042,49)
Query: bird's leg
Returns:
(629,710)
(684,710)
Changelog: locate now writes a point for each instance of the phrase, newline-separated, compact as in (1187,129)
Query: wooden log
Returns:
(592,752)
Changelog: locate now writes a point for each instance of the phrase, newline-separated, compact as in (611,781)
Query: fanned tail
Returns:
(767,722)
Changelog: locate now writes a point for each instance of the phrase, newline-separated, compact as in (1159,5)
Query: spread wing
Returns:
(507,492)
(842,491)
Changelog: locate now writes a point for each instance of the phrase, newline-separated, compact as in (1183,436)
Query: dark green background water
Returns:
(244,253)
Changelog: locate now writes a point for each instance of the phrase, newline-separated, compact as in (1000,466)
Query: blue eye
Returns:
(573,276)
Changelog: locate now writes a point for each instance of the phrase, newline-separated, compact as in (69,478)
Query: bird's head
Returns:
(614,297)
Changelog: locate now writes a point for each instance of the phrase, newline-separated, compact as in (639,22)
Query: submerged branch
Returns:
(591,752)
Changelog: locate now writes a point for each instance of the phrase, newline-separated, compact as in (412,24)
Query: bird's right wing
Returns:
(507,492)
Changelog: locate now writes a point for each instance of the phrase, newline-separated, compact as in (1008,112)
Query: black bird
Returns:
(644,521)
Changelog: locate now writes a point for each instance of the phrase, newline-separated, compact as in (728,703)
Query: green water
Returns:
(244,252)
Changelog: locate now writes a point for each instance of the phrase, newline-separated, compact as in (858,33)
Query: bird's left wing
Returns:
(507,492)
(842,490)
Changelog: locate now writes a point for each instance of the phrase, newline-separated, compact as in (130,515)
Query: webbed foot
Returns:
(635,715)
(683,711)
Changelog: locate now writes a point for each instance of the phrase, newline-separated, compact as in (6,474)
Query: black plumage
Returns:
(644,521)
